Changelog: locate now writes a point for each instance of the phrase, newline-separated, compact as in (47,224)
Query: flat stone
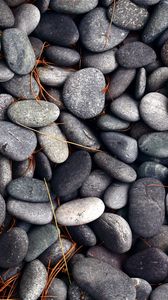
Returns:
(23,168)
(114,167)
(98,38)
(160,292)
(128,15)
(82,235)
(62,56)
(109,123)
(5,73)
(16,142)
(143,288)
(114,283)
(32,113)
(43,166)
(154,144)
(157,79)
(116,196)
(53,76)
(75,292)
(110,227)
(13,247)
(69,176)
(33,280)
(146,205)
(140,83)
(5,101)
(66,34)
(80,211)
(73,6)
(2,210)
(90,102)
(57,290)
(153,170)
(5,174)
(34,213)
(37,45)
(23,14)
(164,53)
(6,17)
(53,143)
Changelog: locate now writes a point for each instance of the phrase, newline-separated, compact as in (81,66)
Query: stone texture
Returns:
(2,210)
(5,101)
(153,170)
(57,290)
(5,73)
(23,14)
(140,83)
(62,56)
(154,144)
(5,174)
(116,195)
(53,76)
(110,122)
(143,288)
(82,235)
(6,17)
(73,6)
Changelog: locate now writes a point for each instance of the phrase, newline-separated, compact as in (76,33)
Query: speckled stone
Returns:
(164,53)
(109,123)
(73,6)
(6,17)
(116,196)
(83,235)
(5,73)
(157,79)
(138,129)
(42,5)
(154,144)
(23,14)
(55,96)
(57,290)
(37,45)
(43,166)
(5,174)
(160,292)
(2,210)
(90,102)
(53,76)
(75,292)
(23,168)
(140,83)
(13,3)
(62,56)
(5,101)
(153,170)
(143,288)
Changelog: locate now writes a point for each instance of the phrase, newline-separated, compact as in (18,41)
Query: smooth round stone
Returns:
(154,144)
(128,15)
(105,61)
(153,110)
(115,283)
(23,14)
(80,211)
(73,7)
(40,238)
(62,56)
(53,76)
(33,113)
(69,176)
(55,252)
(66,34)
(77,132)
(164,53)
(125,108)
(121,145)
(150,264)
(6,17)
(76,293)
(53,143)
(98,38)
(24,87)
(95,185)
(83,235)
(115,167)
(90,102)
(43,167)
(5,73)
(20,59)
(28,189)
(153,170)
(109,123)
(5,101)
(23,168)
(140,83)
(160,292)
(143,289)
(16,142)
(13,247)
(33,280)
(42,5)
(57,290)
(37,45)
(120,81)
(34,213)
(2,210)
(157,79)
(146,205)
(116,196)
(111,227)
(5,174)
(135,55)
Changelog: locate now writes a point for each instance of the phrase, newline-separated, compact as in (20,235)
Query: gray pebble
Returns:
(37,45)
(140,83)
(53,76)
(55,96)
(5,174)
(145,3)
(138,129)
(5,73)
(5,101)
(154,144)
(73,6)
(105,2)
(90,102)
(23,168)
(6,17)
(57,290)
(160,292)
(13,3)
(82,235)
(153,170)
(23,225)
(23,14)
(75,293)
(62,56)
(2,210)
(157,79)
(109,123)
(143,289)
(116,196)
(43,166)
(153,66)
(164,53)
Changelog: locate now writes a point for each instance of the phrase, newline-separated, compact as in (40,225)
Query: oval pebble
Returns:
(57,290)
(5,174)
(160,292)
(2,210)
(23,168)
(43,5)
(116,196)
(5,73)
(37,45)
(164,53)
(53,76)
(109,123)
(153,170)
(62,56)
(6,17)
(43,166)
(143,288)
(154,144)
(140,83)
(13,3)
(32,113)
(157,79)
(75,292)
(5,101)
(73,6)
(23,14)
(83,235)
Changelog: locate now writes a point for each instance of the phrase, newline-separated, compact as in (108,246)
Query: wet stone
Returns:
(153,170)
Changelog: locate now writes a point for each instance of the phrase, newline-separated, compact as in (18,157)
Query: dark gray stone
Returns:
(160,292)
(105,2)
(143,288)
(43,167)
(116,196)
(73,6)
(62,56)
(140,83)
(154,144)
(23,168)
(109,123)
(3,210)
(153,170)
(6,17)
(5,174)
(5,101)
(53,76)
(23,225)
(157,79)
(82,235)
(5,73)
(42,5)
(37,45)
(145,3)
(138,129)
(57,290)
(23,14)
(153,66)
(75,293)
(13,3)
(164,53)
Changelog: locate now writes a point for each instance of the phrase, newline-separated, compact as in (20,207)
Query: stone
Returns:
(5,174)
(90,102)
(6,17)
(138,129)
(98,38)
(43,166)
(23,225)
(32,113)
(109,123)
(53,76)
(5,73)
(53,143)
(140,83)
(160,292)
(5,101)
(143,288)
(2,210)
(116,195)
(82,235)
(13,3)
(16,143)
(33,280)
(55,96)
(153,170)
(57,290)
(23,168)
(80,211)
(157,79)
(37,45)
(62,56)
(73,7)
(110,227)
(43,5)
(75,292)
(69,176)
(23,14)
(154,144)
(164,53)
(146,205)
(13,247)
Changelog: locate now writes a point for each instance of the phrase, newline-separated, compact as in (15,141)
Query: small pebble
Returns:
(53,76)
(6,16)
(61,56)
(5,174)
(153,170)
(157,79)
(75,293)
(140,83)
(82,235)
(2,210)
(57,290)
(73,6)
(143,289)
(42,5)
(164,53)
(37,45)
(5,73)
(43,166)
(109,123)
(23,14)
(160,292)
(154,144)
(5,101)
(116,196)
(23,168)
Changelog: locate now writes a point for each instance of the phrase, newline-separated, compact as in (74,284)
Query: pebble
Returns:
(32,113)
(75,292)
(37,45)
(126,108)
(154,144)
(5,174)
(73,6)
(157,79)
(6,17)
(143,288)
(62,56)
(43,5)
(109,123)
(110,227)
(33,281)
(116,195)
(34,213)
(146,205)
(95,184)
(121,145)
(128,15)
(43,166)
(118,285)
(160,292)
(94,37)
(53,143)
(164,53)
(13,3)
(69,176)
(145,3)
(5,73)
(2,210)
(140,83)
(55,96)
(40,238)
(153,170)
(80,211)
(23,168)
(138,129)
(135,55)
(157,22)
(13,247)
(90,102)
(105,61)
(5,101)
(23,14)
(83,235)
(150,264)
(115,167)
(66,34)
(28,189)
(53,76)
(57,290)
